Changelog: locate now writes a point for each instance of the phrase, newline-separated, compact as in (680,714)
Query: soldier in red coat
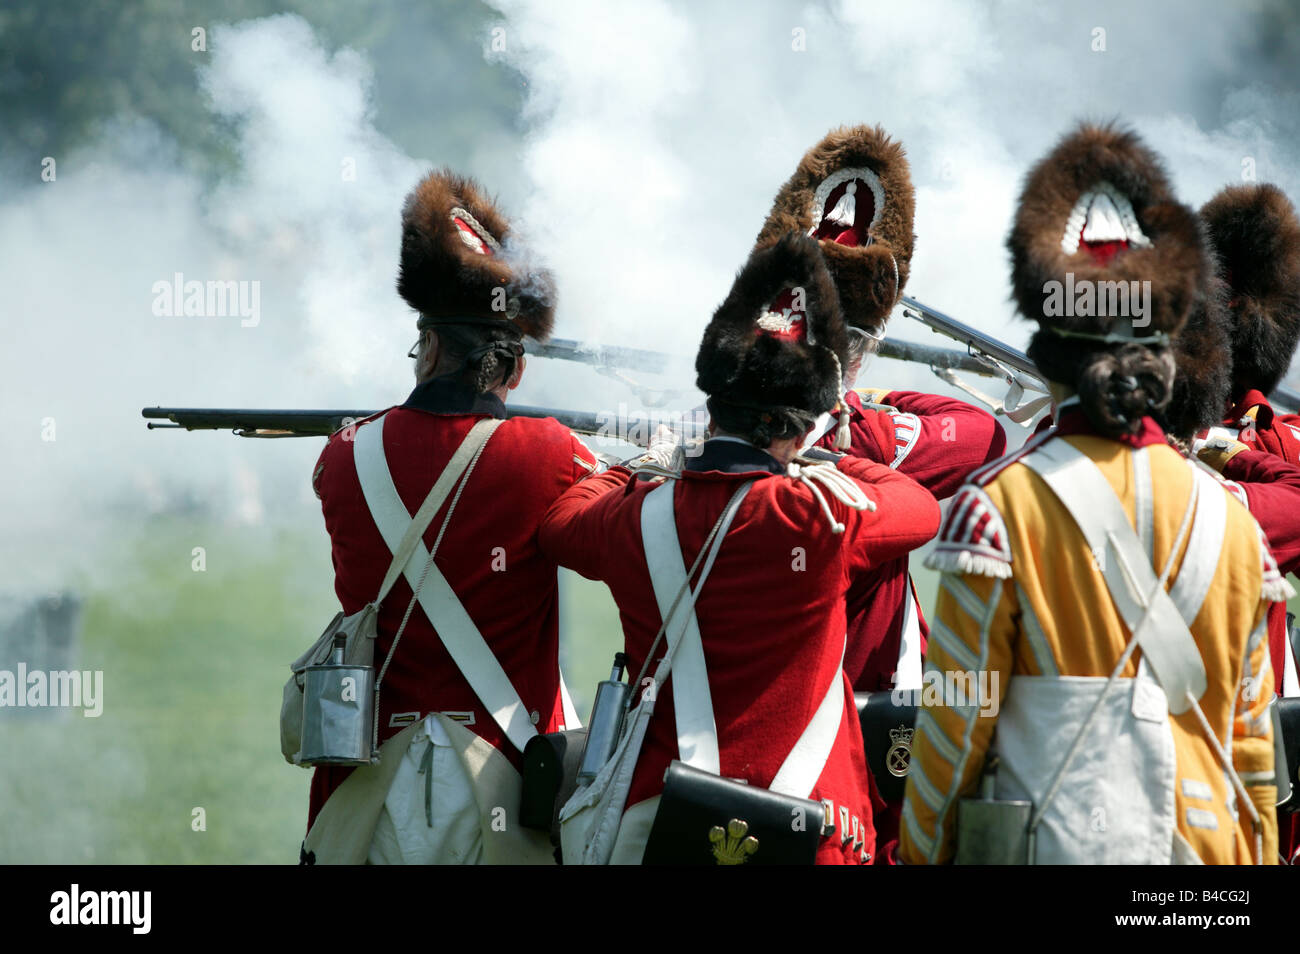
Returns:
(1256,237)
(1237,346)
(853,192)
(771,614)
(474,310)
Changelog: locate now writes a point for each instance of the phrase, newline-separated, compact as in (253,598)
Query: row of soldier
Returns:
(1111,575)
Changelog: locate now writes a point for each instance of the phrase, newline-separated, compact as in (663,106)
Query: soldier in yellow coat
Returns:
(1105,598)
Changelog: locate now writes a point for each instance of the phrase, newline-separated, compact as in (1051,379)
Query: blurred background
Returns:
(152,143)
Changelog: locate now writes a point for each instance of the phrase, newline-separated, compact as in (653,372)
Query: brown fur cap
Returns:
(457,262)
(1203,355)
(870,262)
(1256,236)
(1100,179)
(744,361)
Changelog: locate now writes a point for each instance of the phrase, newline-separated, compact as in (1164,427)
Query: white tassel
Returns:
(963,561)
(845,210)
(1278,590)
(842,431)
(842,487)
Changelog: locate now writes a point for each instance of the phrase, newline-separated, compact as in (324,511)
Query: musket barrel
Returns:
(261,422)
(959,331)
(603,356)
(640,359)
(901,350)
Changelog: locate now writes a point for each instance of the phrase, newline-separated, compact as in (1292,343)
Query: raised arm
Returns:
(573,532)
(937,440)
(1270,489)
(906,515)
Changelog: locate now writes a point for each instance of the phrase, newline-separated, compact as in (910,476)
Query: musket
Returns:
(638,359)
(260,422)
(1015,366)
(635,429)
(991,353)
(984,355)
(994,357)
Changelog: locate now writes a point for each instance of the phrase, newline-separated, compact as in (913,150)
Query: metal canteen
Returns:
(337,712)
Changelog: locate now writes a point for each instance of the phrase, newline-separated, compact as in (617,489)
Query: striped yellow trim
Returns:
(1037,639)
(964,596)
(925,723)
(951,644)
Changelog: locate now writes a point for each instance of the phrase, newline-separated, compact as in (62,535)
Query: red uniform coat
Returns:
(771,614)
(489,556)
(1259,427)
(937,441)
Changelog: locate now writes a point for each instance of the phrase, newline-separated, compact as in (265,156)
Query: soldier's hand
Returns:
(665,450)
(1216,450)
(872,395)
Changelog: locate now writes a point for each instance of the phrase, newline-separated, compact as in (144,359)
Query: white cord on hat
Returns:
(842,439)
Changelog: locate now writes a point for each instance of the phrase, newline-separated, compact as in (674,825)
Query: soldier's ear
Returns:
(430,362)
(518,373)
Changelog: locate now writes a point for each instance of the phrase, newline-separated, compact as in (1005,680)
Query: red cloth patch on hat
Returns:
(471,237)
(1103,252)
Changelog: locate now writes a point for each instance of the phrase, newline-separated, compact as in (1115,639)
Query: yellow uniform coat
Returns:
(1021,595)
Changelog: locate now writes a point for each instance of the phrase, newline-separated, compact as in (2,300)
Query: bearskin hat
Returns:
(1203,356)
(457,263)
(1097,219)
(853,193)
(778,340)
(1256,237)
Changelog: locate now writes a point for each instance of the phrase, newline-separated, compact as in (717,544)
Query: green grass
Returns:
(193,666)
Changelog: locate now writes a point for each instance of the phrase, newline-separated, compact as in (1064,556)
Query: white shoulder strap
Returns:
(1161,631)
(459,634)
(908,670)
(438,494)
(697,735)
(806,761)
(1204,547)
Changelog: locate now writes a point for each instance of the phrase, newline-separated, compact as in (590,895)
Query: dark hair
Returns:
(482,356)
(1118,384)
(759,426)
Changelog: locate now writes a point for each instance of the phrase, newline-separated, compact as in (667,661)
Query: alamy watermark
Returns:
(74,906)
(178,298)
(954,689)
(1087,298)
(58,689)
(638,429)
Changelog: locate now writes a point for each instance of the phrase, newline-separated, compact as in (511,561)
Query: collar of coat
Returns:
(1072,420)
(732,456)
(1251,401)
(446,395)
